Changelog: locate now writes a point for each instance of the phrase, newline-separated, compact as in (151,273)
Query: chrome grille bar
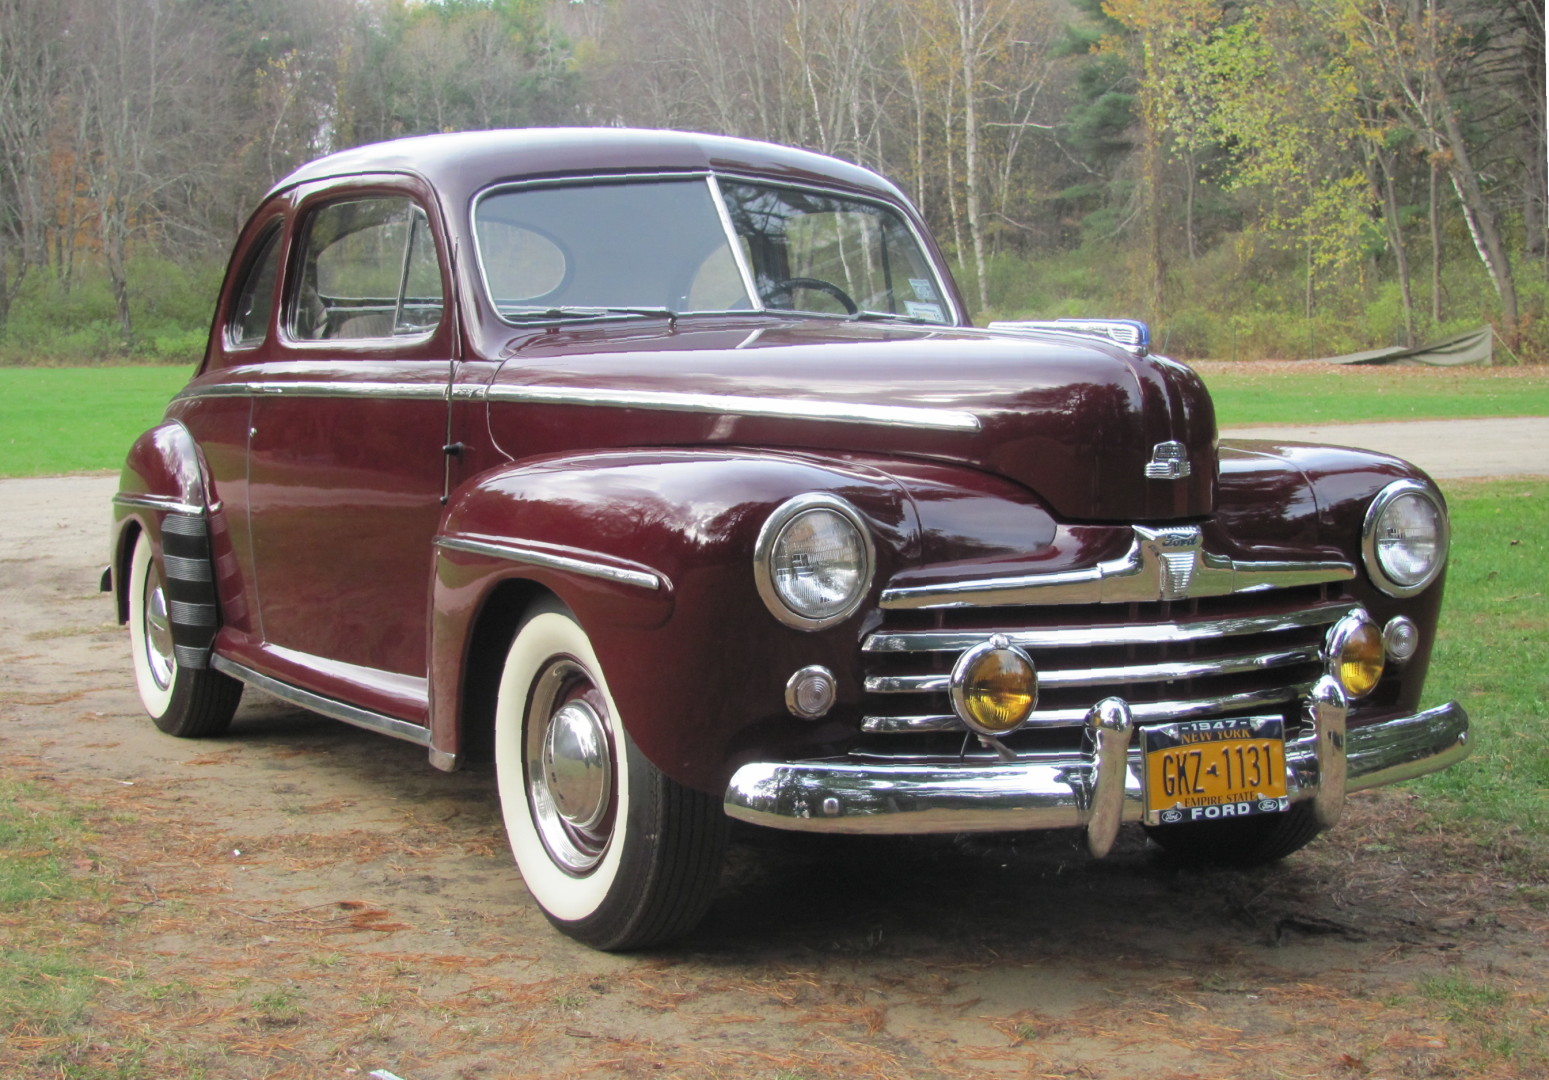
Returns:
(1086,637)
(1112,676)
(1143,712)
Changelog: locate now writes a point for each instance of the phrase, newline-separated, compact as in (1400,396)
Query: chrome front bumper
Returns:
(1095,788)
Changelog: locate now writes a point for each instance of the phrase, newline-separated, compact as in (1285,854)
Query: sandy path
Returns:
(302,899)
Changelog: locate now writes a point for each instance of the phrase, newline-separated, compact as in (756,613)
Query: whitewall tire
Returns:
(182,701)
(617,855)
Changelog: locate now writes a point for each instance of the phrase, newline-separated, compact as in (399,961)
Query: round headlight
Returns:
(1354,653)
(994,687)
(813,561)
(1404,540)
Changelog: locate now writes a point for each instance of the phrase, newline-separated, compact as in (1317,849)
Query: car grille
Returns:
(1245,654)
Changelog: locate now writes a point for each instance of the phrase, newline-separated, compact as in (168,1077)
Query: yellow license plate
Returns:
(1213,770)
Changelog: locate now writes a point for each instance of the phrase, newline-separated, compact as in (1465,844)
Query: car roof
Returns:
(471,160)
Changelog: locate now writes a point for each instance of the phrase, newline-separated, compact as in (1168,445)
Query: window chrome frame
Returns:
(273,233)
(948,296)
(713,179)
(609,180)
(294,258)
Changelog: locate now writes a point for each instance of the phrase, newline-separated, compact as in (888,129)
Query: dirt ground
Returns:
(300,899)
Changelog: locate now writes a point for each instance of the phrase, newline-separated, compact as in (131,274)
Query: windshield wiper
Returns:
(890,316)
(571,314)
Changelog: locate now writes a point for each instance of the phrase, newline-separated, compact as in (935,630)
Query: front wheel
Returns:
(616,854)
(183,701)
(1239,842)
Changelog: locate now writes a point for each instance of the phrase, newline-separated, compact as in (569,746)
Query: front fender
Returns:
(1312,494)
(653,553)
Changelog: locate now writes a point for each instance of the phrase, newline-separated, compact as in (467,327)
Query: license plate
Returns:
(1213,770)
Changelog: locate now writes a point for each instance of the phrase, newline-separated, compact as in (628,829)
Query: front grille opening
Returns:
(1248,654)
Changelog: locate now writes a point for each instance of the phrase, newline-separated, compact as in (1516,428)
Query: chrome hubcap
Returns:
(158,630)
(575,764)
(569,756)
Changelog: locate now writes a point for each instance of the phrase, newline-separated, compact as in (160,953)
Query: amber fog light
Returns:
(1401,638)
(994,687)
(1355,653)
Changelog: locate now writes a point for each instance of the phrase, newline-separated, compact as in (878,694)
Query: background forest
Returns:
(1257,178)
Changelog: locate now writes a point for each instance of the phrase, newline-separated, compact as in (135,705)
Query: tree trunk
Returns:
(968,19)
(1435,248)
(1480,216)
(1390,218)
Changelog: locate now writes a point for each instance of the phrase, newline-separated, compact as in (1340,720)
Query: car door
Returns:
(345,450)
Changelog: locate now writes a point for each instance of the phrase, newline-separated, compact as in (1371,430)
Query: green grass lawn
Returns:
(64,420)
(1252,393)
(1491,655)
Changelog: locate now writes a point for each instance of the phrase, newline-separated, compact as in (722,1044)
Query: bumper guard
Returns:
(1096,788)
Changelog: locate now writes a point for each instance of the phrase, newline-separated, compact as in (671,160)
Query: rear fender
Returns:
(653,554)
(163,494)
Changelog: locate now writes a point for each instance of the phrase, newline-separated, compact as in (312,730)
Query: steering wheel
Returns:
(786,285)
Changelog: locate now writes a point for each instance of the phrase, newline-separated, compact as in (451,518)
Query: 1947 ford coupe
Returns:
(667,471)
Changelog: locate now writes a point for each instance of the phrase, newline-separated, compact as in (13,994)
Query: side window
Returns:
(255,300)
(419,302)
(367,270)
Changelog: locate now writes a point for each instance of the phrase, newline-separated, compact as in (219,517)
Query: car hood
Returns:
(1098,433)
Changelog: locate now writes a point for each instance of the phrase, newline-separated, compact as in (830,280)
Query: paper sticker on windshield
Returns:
(928,312)
(923,288)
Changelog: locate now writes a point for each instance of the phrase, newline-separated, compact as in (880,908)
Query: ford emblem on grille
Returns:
(1169,461)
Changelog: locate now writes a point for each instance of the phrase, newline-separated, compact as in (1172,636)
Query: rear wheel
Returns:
(183,701)
(616,854)
(1239,842)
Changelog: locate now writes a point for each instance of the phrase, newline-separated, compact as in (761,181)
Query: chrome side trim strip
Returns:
(853,412)
(323,388)
(1161,564)
(1136,673)
(337,710)
(1091,636)
(505,549)
(1144,712)
(1048,790)
(158,502)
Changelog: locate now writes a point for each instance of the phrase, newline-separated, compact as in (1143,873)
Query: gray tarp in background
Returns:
(1474,347)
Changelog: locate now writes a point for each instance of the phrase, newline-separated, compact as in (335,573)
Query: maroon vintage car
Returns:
(667,471)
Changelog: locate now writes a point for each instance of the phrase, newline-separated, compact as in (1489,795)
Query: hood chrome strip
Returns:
(853,412)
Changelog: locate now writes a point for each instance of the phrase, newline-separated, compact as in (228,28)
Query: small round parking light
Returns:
(994,687)
(1400,638)
(1354,653)
(810,693)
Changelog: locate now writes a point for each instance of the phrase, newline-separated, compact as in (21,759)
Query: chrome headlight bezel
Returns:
(767,550)
(1372,553)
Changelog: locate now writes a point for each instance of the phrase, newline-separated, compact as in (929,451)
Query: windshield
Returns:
(814,251)
(637,245)
(660,246)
